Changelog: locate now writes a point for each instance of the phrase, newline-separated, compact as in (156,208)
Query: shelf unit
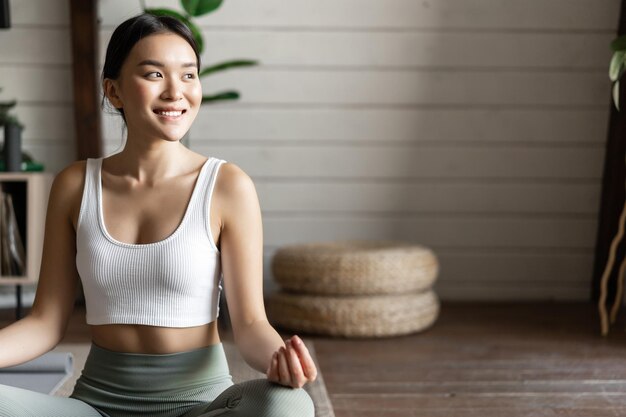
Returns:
(29,191)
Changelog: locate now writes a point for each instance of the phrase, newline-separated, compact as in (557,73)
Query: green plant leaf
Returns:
(5,117)
(619,43)
(227,65)
(616,94)
(13,120)
(6,105)
(617,62)
(200,7)
(225,95)
(192,26)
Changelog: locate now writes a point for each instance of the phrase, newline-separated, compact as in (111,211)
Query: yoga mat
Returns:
(239,370)
(45,374)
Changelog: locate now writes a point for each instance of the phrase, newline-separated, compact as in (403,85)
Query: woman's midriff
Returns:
(133,338)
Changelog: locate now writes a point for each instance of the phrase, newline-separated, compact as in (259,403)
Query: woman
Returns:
(149,231)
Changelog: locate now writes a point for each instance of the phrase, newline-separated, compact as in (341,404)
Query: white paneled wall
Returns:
(475,127)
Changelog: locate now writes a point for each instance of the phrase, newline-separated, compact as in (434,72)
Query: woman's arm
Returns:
(241,240)
(43,328)
(241,247)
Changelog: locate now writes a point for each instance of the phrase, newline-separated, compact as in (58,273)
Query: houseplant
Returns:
(5,117)
(616,70)
(18,159)
(12,149)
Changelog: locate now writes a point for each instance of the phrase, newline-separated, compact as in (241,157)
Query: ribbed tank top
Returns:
(175,282)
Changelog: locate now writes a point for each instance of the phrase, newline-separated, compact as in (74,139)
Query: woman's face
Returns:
(158,88)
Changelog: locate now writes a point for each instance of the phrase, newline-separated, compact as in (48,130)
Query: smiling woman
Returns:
(154,233)
(168,87)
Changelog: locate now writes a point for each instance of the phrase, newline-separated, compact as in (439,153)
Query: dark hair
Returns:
(131,31)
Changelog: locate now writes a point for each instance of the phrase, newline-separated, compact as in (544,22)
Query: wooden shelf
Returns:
(29,191)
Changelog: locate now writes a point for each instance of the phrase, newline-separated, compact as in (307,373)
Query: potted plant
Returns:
(5,117)
(616,70)
(12,150)
(12,157)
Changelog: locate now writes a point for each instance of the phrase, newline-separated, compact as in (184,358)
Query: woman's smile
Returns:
(170,115)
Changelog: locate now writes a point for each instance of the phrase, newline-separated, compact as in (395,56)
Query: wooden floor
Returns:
(477,360)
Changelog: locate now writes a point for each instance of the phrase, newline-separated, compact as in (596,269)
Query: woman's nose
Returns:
(173,90)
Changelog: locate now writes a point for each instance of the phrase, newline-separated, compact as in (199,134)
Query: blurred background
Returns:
(474,127)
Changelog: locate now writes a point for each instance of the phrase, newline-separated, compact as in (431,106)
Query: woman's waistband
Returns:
(206,365)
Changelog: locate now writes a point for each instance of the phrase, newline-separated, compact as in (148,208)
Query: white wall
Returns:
(475,127)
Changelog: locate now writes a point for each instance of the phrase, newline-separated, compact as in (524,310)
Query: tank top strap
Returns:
(88,207)
(202,210)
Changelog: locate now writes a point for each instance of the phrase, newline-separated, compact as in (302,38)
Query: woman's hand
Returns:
(292,365)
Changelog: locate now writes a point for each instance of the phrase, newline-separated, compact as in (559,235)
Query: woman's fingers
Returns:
(269,367)
(272,373)
(297,374)
(283,368)
(308,366)
(292,365)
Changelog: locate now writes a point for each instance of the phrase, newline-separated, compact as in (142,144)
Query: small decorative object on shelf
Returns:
(13,147)
(12,157)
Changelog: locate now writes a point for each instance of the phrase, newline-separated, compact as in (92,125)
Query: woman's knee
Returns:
(301,400)
(12,402)
(19,402)
(281,401)
(257,398)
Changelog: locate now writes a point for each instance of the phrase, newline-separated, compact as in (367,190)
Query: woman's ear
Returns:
(110,89)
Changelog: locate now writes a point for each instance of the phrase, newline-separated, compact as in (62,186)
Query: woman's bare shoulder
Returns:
(232,181)
(233,187)
(71,178)
(67,188)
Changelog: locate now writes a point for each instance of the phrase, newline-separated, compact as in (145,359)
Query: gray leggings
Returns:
(195,383)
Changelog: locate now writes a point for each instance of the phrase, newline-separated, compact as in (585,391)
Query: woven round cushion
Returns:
(355,267)
(354,316)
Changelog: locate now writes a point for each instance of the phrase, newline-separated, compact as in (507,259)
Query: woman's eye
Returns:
(190,76)
(149,75)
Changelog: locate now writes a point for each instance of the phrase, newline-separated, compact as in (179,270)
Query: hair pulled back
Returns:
(131,31)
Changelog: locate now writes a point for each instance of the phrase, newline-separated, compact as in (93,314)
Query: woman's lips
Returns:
(170,115)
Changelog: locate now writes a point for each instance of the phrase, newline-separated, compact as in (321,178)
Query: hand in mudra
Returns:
(292,365)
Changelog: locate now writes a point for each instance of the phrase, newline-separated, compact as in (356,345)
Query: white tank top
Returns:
(175,282)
